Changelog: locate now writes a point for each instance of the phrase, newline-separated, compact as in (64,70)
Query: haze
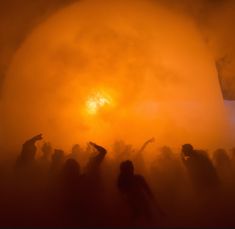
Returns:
(152,62)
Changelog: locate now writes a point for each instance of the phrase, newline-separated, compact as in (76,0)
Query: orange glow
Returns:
(106,70)
(96,101)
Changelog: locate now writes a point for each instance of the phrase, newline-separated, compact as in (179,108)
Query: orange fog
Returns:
(109,70)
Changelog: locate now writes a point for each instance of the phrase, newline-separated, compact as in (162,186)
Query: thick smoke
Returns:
(151,60)
(213,18)
(153,64)
(19,18)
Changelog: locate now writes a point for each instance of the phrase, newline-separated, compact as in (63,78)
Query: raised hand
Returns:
(99,148)
(37,137)
(145,144)
(151,140)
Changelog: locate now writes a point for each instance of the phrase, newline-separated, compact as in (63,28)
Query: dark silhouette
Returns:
(136,192)
(71,190)
(47,151)
(199,167)
(221,158)
(45,158)
(49,188)
(168,177)
(28,153)
(57,161)
(139,158)
(75,152)
(94,192)
(94,162)
(28,187)
(223,165)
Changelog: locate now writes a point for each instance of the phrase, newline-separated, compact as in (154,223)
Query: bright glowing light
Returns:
(97,101)
(139,70)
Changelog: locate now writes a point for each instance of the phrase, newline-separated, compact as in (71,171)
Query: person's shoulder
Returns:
(203,156)
(139,178)
(201,153)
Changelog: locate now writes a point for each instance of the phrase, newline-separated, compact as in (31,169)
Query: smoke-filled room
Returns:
(117,114)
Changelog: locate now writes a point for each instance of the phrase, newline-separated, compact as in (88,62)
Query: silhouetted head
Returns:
(46,149)
(127,167)
(187,149)
(166,151)
(58,155)
(71,167)
(76,148)
(220,157)
(28,151)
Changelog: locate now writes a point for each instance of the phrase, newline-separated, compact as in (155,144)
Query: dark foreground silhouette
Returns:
(95,188)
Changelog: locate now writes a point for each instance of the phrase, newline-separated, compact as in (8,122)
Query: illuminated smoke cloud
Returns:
(150,60)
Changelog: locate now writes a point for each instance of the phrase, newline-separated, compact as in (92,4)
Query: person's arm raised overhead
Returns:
(32,140)
(95,161)
(102,151)
(36,138)
(146,144)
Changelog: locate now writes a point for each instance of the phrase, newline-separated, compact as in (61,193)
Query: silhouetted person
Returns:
(139,159)
(28,152)
(221,159)
(76,150)
(71,191)
(28,182)
(47,151)
(136,192)
(57,161)
(94,162)
(168,176)
(200,168)
(94,193)
(223,165)
(55,184)
(45,158)
(71,171)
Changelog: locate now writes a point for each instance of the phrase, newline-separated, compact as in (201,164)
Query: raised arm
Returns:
(101,152)
(34,139)
(145,145)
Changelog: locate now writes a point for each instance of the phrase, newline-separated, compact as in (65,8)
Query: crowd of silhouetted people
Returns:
(86,188)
